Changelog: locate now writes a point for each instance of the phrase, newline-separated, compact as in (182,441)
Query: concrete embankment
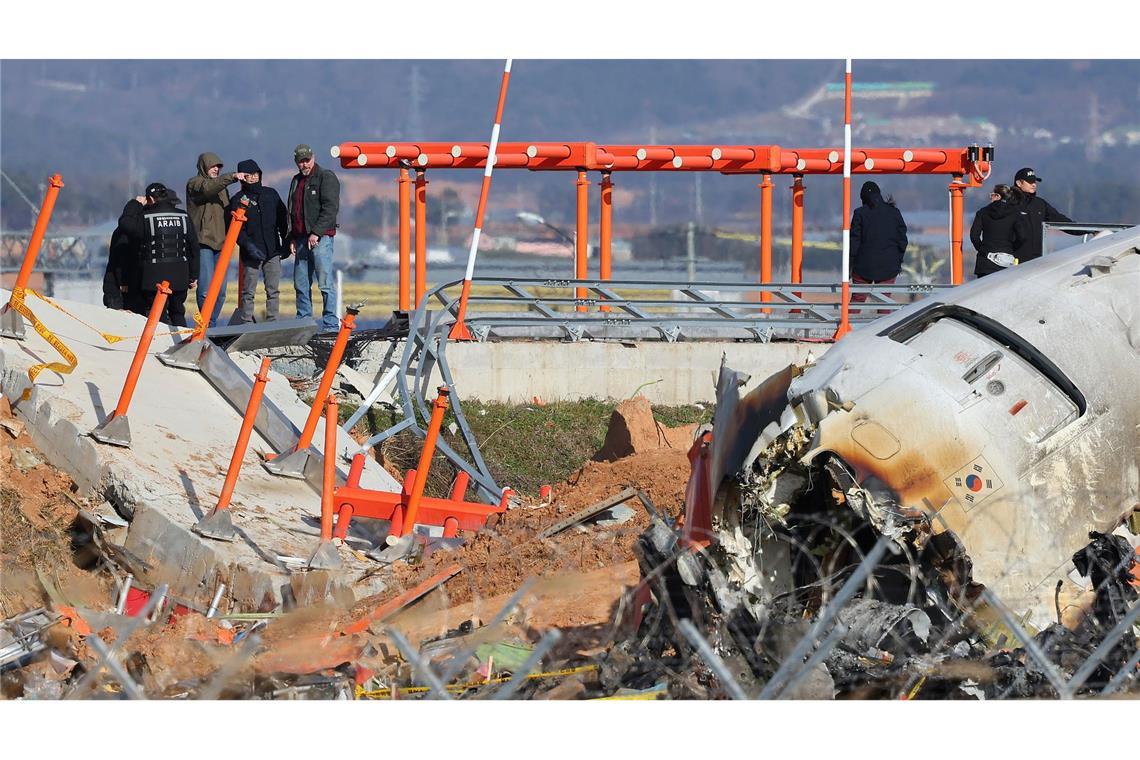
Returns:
(183,433)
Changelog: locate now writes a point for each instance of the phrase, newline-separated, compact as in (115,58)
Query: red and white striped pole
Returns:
(459,330)
(845,305)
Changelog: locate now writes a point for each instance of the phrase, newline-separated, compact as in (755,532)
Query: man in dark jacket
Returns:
(999,232)
(261,241)
(1036,211)
(878,241)
(165,245)
(121,283)
(206,202)
(314,200)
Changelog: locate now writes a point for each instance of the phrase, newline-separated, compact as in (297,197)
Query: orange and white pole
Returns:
(845,305)
(459,330)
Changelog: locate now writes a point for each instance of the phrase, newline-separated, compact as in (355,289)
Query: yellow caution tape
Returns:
(110,338)
(362,693)
(17,304)
(913,692)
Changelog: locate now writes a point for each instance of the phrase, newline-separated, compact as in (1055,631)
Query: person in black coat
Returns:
(164,246)
(121,283)
(261,242)
(878,240)
(999,232)
(1036,211)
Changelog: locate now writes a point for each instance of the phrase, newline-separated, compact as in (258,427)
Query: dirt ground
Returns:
(37,508)
(497,560)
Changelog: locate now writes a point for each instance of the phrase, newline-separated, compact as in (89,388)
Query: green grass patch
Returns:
(525,446)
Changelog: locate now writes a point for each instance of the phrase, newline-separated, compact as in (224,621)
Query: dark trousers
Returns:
(173,313)
(862,297)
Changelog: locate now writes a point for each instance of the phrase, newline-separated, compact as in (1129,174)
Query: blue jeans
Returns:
(207,259)
(320,261)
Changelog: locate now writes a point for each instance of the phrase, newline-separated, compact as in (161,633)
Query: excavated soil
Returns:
(37,509)
(497,560)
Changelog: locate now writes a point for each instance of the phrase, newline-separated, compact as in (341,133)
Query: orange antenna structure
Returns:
(459,330)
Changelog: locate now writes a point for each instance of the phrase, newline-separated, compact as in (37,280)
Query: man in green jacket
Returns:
(206,202)
(314,200)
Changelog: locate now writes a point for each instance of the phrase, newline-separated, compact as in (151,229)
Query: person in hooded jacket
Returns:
(878,241)
(261,242)
(164,244)
(206,202)
(999,232)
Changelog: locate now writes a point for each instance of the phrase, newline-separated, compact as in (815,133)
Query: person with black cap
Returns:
(165,247)
(314,200)
(1036,211)
(999,232)
(878,241)
(261,242)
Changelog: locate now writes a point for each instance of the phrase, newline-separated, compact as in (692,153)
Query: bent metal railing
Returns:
(614,310)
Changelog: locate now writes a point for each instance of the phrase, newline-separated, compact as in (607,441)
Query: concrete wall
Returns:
(666,373)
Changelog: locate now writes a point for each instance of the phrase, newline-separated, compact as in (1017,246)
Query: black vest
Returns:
(165,254)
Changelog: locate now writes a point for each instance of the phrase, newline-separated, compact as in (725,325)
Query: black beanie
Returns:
(248,166)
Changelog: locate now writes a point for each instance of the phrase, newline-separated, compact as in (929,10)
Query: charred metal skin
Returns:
(1002,416)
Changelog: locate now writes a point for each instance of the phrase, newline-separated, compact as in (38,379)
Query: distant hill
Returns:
(110,126)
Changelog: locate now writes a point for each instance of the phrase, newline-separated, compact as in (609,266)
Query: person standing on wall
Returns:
(122,287)
(878,241)
(1036,211)
(999,232)
(165,247)
(206,202)
(314,200)
(261,241)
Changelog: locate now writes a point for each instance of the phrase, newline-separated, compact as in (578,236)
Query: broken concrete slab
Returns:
(183,435)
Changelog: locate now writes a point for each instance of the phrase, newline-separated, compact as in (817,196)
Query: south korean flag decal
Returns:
(974,483)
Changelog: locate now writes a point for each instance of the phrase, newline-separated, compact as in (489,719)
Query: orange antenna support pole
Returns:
(459,330)
(956,198)
(115,429)
(13,325)
(582,237)
(421,235)
(405,244)
(219,272)
(437,412)
(292,463)
(605,231)
(766,238)
(218,524)
(798,228)
(845,298)
(326,556)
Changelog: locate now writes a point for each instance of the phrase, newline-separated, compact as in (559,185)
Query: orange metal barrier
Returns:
(437,412)
(956,214)
(218,524)
(605,231)
(203,320)
(55,184)
(421,236)
(582,239)
(766,238)
(346,326)
(328,481)
(405,193)
(115,429)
